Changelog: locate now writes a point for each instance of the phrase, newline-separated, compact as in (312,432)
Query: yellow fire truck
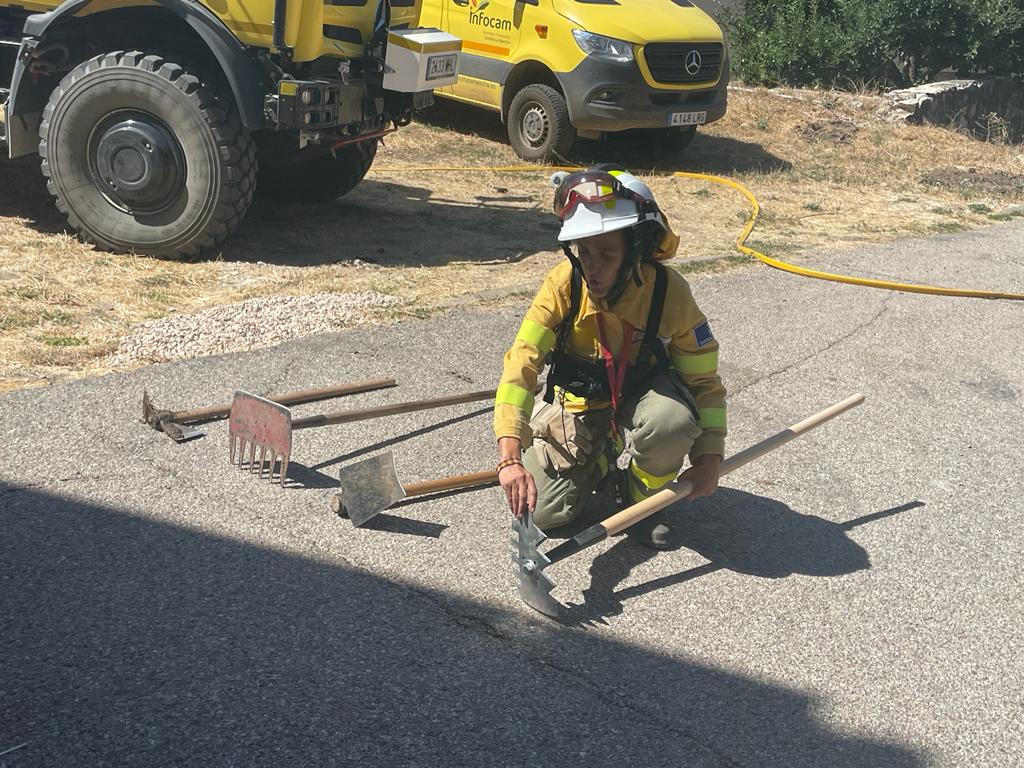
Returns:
(154,118)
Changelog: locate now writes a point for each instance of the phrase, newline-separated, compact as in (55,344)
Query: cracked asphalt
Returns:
(853,599)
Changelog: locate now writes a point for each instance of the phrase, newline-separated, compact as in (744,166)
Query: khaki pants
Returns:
(661,429)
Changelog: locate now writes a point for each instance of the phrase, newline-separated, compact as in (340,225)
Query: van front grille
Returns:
(683,63)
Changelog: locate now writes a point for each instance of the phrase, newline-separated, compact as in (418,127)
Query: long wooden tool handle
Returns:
(451,483)
(343,417)
(289,398)
(634,514)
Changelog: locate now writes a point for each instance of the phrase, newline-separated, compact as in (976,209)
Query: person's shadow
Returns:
(735,531)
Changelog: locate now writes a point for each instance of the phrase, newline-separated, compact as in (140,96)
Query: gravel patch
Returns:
(247,325)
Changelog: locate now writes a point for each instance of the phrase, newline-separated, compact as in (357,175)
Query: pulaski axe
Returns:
(530,562)
(370,486)
(177,424)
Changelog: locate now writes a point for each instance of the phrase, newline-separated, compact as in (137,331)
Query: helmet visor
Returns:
(589,187)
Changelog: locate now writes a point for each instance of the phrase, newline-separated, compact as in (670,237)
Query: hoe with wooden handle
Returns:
(176,424)
(257,424)
(534,584)
(370,486)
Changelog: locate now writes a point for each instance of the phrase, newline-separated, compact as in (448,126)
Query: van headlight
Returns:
(604,47)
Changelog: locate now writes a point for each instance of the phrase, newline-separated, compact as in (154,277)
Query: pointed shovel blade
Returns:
(534,584)
(370,486)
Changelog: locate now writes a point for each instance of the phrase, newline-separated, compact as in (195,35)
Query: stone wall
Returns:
(989,109)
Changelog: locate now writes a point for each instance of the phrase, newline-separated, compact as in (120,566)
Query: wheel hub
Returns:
(137,162)
(535,124)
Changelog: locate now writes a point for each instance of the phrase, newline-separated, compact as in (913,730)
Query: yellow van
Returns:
(557,69)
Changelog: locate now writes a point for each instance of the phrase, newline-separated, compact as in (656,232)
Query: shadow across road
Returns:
(128,641)
(734,531)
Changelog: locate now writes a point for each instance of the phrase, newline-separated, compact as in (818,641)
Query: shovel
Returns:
(530,562)
(257,424)
(174,424)
(370,486)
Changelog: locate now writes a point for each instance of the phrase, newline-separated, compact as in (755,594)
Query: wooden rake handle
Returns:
(363,414)
(680,490)
(288,398)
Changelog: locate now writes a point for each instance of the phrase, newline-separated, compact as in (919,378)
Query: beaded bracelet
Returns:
(505,463)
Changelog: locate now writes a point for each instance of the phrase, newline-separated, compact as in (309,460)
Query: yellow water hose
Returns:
(741,241)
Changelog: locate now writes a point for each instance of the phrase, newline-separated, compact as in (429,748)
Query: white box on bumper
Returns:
(421,60)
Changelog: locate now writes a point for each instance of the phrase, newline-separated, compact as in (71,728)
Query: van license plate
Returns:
(439,67)
(687,118)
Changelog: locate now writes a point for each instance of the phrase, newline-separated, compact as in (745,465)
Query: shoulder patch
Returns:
(702,334)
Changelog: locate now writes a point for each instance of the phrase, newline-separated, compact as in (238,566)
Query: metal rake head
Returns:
(534,585)
(258,424)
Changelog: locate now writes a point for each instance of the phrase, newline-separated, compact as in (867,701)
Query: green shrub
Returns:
(888,42)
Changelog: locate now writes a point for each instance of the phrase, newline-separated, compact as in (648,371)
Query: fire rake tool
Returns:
(259,424)
(174,424)
(370,486)
(535,585)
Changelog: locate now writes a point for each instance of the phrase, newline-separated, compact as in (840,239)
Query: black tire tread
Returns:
(234,144)
(319,180)
(561,126)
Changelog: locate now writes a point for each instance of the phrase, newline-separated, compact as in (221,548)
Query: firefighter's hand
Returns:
(520,490)
(703,475)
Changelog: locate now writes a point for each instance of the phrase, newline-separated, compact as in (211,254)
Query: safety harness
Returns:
(590,379)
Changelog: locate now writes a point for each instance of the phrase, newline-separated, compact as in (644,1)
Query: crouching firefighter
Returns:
(633,365)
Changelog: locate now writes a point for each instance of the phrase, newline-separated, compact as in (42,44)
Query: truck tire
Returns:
(141,156)
(538,124)
(321,178)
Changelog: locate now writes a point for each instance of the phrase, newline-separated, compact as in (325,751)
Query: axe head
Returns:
(368,487)
(258,424)
(163,421)
(534,585)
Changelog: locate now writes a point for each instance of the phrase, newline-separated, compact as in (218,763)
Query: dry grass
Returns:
(441,239)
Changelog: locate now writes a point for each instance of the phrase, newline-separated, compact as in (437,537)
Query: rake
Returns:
(257,424)
(531,563)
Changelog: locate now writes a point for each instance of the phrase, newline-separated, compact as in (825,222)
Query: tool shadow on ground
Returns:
(383,444)
(734,531)
(147,631)
(397,523)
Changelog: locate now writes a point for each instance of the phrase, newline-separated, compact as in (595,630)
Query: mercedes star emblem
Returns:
(692,62)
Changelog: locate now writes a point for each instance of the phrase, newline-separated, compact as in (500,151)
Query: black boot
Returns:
(653,532)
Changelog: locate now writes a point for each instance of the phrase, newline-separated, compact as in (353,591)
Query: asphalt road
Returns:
(853,599)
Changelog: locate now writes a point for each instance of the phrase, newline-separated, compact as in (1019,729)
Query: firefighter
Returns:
(633,365)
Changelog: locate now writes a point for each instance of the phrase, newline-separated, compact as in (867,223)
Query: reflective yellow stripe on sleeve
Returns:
(712,418)
(538,335)
(513,394)
(690,365)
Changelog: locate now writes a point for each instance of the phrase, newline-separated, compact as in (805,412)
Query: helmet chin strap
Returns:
(628,268)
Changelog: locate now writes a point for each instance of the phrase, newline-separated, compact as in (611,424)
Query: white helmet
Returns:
(596,201)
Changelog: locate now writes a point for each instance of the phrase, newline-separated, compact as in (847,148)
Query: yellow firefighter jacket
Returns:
(684,328)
